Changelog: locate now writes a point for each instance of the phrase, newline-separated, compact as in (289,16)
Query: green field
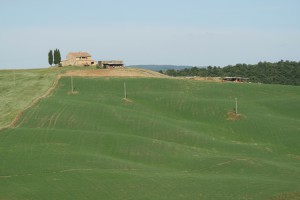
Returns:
(172,142)
(18,88)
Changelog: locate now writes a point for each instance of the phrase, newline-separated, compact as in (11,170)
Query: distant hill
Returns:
(163,67)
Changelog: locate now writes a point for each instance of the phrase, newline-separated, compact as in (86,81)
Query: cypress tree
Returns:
(58,57)
(55,57)
(50,57)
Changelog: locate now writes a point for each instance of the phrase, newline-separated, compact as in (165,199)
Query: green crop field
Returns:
(19,88)
(172,141)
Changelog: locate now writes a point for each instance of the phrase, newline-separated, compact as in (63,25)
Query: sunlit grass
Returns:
(173,141)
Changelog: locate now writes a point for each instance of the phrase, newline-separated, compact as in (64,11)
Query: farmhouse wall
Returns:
(79,59)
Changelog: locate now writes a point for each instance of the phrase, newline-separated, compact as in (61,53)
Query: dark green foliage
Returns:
(57,57)
(282,72)
(172,72)
(50,57)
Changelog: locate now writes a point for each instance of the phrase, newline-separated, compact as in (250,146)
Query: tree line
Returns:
(54,57)
(282,72)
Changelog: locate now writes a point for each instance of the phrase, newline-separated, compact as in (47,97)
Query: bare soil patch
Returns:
(73,92)
(232,116)
(208,79)
(287,196)
(124,72)
(132,72)
(127,101)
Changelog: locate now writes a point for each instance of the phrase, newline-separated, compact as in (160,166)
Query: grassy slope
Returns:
(17,95)
(172,142)
(19,88)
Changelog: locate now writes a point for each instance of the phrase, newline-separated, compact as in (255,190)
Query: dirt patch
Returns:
(73,92)
(208,79)
(127,101)
(294,156)
(232,116)
(124,72)
(133,72)
(287,196)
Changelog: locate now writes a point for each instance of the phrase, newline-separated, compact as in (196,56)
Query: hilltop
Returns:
(126,72)
(162,67)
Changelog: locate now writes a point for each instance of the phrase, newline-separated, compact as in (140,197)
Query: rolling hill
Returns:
(171,141)
(162,67)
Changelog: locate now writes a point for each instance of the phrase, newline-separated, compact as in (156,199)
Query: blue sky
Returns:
(182,32)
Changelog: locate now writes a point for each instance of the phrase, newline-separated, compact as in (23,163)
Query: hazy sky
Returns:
(179,32)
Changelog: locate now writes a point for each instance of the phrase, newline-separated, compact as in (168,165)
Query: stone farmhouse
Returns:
(79,59)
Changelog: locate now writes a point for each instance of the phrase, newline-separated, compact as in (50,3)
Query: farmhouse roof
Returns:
(80,54)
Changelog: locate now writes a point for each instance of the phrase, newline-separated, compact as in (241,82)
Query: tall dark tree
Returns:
(57,57)
(50,57)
